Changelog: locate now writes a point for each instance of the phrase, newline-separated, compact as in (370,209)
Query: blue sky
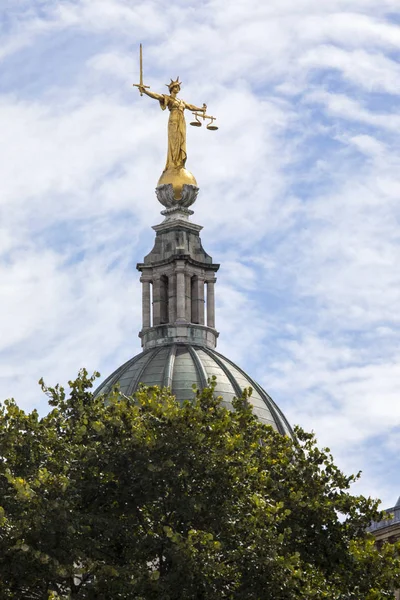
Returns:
(299,198)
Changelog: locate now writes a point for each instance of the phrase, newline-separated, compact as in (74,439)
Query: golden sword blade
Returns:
(140,85)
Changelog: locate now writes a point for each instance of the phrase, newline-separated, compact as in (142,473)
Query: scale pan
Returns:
(195,124)
(212,127)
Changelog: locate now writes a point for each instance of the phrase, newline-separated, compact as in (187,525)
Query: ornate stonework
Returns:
(166,196)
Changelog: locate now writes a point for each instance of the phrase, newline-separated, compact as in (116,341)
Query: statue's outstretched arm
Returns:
(196,108)
(151,94)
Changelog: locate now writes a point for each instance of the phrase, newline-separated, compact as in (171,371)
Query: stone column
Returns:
(156,300)
(200,300)
(180,293)
(172,298)
(211,303)
(146,308)
(188,297)
(194,305)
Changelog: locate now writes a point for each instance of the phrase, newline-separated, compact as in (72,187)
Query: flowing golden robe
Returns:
(176,157)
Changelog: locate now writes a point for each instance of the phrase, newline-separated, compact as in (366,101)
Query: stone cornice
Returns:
(184,257)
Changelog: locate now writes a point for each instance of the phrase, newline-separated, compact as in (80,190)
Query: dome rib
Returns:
(199,366)
(105,387)
(169,367)
(232,380)
(136,380)
(274,409)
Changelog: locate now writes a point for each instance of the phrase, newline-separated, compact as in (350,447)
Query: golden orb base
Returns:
(177,178)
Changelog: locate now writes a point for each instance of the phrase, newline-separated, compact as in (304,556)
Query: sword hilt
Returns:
(140,85)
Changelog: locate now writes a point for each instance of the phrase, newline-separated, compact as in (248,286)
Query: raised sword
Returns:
(140,85)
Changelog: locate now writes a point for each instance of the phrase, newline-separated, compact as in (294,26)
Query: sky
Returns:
(299,198)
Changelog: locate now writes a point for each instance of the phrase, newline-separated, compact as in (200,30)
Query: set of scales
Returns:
(175,174)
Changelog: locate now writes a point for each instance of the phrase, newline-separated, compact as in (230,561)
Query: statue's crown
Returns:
(176,82)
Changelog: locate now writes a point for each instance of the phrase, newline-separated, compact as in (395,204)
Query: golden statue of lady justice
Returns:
(175,171)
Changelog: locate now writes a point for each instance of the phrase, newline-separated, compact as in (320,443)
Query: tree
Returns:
(142,498)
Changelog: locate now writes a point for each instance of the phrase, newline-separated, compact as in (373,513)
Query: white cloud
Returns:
(344,107)
(372,71)
(352,29)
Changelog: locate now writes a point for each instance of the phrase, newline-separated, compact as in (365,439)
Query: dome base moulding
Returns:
(179,332)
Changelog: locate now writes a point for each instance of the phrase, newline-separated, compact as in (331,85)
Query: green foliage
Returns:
(143,498)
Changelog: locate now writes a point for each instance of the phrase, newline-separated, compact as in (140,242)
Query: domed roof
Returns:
(180,365)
